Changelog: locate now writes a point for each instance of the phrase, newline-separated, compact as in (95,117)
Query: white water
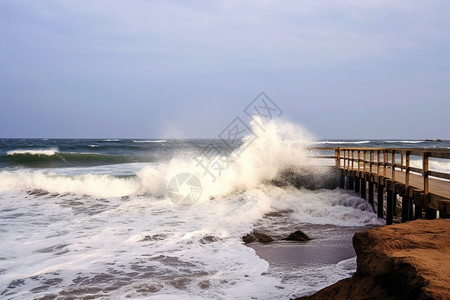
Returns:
(342,142)
(97,233)
(405,142)
(47,152)
(435,165)
(149,141)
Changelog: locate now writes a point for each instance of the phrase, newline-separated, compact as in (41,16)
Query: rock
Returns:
(298,235)
(262,238)
(249,238)
(279,213)
(256,236)
(402,261)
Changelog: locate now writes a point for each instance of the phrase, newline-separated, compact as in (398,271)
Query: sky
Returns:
(185,69)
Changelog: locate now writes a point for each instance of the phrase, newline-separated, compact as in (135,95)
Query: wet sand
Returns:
(328,245)
(307,267)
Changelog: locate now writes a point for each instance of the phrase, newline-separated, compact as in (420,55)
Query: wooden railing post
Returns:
(371,162)
(352,161)
(406,199)
(408,153)
(337,154)
(364,161)
(401,161)
(393,166)
(359,160)
(346,158)
(378,163)
(426,186)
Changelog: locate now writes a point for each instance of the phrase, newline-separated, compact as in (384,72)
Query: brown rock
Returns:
(256,236)
(249,238)
(298,235)
(262,238)
(402,261)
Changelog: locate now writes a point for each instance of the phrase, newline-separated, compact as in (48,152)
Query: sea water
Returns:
(95,218)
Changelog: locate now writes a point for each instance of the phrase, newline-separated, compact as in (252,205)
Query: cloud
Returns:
(159,54)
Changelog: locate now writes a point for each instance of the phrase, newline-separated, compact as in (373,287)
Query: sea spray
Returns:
(273,148)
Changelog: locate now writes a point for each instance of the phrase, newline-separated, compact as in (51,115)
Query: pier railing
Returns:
(398,171)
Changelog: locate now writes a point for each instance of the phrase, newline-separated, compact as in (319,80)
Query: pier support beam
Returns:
(430,214)
(342,182)
(394,204)
(380,196)
(357,184)
(418,210)
(411,209)
(363,188)
(349,183)
(389,206)
(371,193)
(406,205)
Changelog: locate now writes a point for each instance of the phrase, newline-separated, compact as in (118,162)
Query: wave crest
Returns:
(47,152)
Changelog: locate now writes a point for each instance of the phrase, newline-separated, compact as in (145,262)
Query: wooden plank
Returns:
(344,158)
(439,174)
(437,153)
(417,170)
(378,163)
(337,154)
(352,160)
(426,182)
(371,162)
(393,165)
(407,170)
(359,160)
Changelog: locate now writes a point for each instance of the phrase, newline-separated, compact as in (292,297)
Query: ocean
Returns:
(164,219)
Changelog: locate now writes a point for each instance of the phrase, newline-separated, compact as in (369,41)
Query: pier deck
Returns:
(421,190)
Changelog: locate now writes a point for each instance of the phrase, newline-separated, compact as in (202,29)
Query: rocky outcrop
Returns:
(256,236)
(298,236)
(260,237)
(403,261)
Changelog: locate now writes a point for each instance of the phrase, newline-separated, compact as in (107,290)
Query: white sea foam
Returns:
(111,140)
(86,234)
(149,141)
(278,146)
(405,142)
(434,165)
(341,142)
(70,237)
(94,146)
(47,152)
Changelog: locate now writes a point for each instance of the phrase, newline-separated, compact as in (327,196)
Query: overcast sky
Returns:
(150,69)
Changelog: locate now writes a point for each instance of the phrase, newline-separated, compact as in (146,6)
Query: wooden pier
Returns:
(388,173)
